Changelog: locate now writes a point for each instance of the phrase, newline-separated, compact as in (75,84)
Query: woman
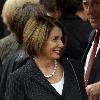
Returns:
(46,76)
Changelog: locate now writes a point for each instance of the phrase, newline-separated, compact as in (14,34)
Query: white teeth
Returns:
(57,51)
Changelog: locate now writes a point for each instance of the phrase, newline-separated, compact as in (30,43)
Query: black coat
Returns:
(28,83)
(95,71)
(78,32)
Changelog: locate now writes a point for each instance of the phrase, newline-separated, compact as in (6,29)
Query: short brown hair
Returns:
(37,31)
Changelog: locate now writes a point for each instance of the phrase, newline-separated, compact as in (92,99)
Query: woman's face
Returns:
(54,45)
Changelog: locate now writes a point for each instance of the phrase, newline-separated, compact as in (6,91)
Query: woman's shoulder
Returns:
(18,73)
(22,72)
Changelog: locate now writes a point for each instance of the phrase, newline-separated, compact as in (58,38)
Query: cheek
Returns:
(46,50)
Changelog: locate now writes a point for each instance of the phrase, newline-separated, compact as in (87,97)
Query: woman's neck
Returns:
(47,67)
(44,62)
(51,69)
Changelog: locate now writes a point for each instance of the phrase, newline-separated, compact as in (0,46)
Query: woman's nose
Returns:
(61,44)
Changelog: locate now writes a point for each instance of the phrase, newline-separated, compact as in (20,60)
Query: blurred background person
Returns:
(52,7)
(11,47)
(46,76)
(9,44)
(82,13)
(78,29)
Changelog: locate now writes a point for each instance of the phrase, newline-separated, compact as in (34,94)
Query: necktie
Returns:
(92,57)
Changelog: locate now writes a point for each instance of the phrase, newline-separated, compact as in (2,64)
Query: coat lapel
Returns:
(91,37)
(70,82)
(97,59)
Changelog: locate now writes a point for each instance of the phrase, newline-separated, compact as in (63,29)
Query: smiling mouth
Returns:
(58,51)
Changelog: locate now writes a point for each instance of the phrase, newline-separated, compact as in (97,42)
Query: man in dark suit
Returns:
(94,18)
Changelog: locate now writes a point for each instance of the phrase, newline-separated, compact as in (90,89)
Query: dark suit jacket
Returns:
(28,83)
(95,71)
(78,32)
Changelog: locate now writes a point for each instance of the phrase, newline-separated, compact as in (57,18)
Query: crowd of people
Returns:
(49,50)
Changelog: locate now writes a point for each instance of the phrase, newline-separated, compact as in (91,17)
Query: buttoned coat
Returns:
(95,70)
(28,83)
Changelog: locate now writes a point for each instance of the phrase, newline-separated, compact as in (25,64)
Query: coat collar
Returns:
(90,40)
(36,75)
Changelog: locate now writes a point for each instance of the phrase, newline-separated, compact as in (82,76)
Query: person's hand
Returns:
(93,91)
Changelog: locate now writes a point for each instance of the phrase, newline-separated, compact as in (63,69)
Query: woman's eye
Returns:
(55,38)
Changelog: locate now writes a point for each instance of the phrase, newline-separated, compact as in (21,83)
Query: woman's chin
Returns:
(56,57)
